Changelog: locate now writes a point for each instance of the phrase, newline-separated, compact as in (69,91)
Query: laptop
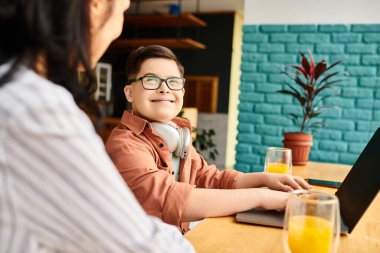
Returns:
(355,194)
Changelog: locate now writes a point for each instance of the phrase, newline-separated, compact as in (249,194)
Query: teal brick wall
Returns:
(267,49)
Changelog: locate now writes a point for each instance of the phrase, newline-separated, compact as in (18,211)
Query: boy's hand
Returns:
(273,200)
(283,182)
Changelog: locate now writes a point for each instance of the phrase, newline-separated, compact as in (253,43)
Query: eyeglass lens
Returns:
(153,82)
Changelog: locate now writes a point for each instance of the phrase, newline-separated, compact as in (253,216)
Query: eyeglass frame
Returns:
(129,81)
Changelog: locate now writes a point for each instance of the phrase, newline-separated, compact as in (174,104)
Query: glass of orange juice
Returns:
(312,223)
(278,160)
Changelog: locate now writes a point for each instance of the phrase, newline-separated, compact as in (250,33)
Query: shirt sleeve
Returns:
(155,189)
(208,176)
(70,194)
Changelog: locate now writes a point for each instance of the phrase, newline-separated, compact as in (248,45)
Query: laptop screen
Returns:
(362,183)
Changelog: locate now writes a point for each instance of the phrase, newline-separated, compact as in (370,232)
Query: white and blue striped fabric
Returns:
(59,191)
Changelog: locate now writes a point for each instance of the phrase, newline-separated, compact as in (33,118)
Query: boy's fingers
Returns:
(290,181)
(287,188)
(302,183)
(290,185)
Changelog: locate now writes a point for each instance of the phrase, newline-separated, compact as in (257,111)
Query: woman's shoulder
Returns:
(27,90)
(44,91)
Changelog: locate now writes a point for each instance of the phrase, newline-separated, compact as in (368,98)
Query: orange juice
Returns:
(309,234)
(278,168)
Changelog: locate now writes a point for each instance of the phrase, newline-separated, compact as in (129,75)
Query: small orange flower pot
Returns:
(300,144)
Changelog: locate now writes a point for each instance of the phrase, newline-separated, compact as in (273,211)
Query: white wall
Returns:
(311,11)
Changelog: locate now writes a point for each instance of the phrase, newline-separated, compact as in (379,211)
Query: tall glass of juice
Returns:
(278,160)
(312,223)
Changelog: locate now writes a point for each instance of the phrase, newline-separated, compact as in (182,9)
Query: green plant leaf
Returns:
(294,117)
(328,77)
(310,126)
(333,65)
(288,92)
(292,88)
(290,74)
(301,70)
(323,98)
(325,86)
(181,113)
(204,142)
(335,81)
(318,108)
(317,124)
(312,115)
(301,99)
(301,83)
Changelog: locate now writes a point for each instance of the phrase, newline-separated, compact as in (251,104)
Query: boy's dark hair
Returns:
(137,57)
(56,31)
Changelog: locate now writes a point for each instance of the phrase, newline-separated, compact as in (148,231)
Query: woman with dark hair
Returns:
(59,191)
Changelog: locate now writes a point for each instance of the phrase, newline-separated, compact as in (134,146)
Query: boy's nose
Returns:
(164,88)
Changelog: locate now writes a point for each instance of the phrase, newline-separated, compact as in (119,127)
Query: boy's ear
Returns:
(183,90)
(128,93)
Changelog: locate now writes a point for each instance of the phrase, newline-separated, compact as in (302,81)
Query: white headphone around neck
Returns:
(176,138)
(184,142)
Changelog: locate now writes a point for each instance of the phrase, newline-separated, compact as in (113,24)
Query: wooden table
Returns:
(225,235)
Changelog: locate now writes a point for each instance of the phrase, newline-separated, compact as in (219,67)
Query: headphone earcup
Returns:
(186,142)
(169,134)
(178,151)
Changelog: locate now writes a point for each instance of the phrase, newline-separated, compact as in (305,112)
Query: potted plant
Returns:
(203,140)
(308,83)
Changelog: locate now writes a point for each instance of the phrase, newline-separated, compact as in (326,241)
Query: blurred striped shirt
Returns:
(59,191)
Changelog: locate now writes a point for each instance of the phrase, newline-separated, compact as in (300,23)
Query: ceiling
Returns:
(162,6)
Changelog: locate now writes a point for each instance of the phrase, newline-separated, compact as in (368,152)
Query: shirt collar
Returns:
(137,124)
(133,122)
(181,122)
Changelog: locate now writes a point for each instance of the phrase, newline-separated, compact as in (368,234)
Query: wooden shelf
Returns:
(163,20)
(167,42)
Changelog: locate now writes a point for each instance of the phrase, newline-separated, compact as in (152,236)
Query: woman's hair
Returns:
(141,54)
(55,32)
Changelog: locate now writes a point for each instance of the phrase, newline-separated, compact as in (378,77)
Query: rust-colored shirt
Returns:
(142,158)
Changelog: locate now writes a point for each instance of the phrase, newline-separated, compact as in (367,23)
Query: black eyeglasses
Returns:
(154,82)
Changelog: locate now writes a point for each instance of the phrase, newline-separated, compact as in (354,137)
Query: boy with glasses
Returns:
(152,150)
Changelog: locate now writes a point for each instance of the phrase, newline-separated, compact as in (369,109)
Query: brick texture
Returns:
(263,113)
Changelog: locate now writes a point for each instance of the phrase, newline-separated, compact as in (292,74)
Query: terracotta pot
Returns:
(300,144)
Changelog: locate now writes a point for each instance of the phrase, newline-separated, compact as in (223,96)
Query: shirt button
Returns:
(161,145)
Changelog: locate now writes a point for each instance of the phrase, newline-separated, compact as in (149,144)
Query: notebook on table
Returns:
(355,194)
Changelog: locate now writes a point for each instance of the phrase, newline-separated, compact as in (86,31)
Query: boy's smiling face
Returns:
(160,105)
